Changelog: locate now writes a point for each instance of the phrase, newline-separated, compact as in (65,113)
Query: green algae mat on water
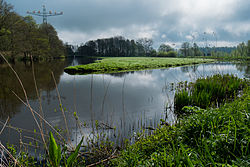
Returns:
(123,64)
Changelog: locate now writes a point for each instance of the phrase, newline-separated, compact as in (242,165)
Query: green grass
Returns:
(208,92)
(123,64)
(214,137)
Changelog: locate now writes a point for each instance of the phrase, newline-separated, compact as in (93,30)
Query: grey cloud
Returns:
(94,17)
(90,16)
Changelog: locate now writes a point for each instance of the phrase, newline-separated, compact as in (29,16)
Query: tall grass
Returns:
(213,137)
(208,92)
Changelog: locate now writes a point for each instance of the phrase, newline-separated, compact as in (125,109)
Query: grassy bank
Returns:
(208,92)
(213,137)
(123,64)
(203,137)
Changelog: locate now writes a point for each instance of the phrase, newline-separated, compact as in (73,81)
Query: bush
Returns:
(167,54)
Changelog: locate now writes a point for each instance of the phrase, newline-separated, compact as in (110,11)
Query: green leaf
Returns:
(73,156)
(58,155)
(54,152)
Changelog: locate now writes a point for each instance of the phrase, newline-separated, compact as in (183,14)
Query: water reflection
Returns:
(126,101)
(9,103)
(244,67)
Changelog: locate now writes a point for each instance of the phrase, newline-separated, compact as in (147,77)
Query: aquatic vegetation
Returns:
(57,157)
(207,92)
(122,64)
(213,137)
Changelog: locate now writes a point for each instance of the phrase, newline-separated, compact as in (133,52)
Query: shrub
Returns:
(167,54)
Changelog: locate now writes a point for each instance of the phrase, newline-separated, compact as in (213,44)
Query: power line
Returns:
(44,14)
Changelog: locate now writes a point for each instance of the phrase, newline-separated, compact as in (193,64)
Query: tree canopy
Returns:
(116,47)
(21,37)
(165,48)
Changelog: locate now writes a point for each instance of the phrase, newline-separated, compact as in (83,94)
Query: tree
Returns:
(69,49)
(56,47)
(185,49)
(5,13)
(196,50)
(167,54)
(165,48)
(147,45)
(116,46)
(21,37)
(5,23)
(242,49)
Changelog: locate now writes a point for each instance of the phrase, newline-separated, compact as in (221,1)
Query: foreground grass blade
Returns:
(72,157)
(54,152)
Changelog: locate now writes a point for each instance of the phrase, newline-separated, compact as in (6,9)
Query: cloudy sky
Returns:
(165,21)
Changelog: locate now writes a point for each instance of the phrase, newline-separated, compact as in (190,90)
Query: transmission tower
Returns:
(44,14)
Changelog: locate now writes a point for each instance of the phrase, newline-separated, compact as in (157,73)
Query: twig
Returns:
(17,129)
(39,116)
(40,103)
(107,126)
(105,94)
(24,91)
(29,145)
(105,160)
(11,156)
(123,104)
(7,120)
(4,161)
(31,138)
(91,103)
(61,106)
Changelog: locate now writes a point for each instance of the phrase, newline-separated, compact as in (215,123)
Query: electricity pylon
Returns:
(44,14)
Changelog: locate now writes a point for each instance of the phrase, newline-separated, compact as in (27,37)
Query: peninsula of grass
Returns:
(124,64)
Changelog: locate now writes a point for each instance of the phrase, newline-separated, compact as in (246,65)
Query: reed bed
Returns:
(208,92)
(213,137)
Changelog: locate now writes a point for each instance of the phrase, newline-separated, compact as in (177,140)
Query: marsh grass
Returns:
(208,92)
(123,64)
(213,137)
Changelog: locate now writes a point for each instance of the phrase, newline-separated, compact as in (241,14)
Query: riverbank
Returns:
(213,137)
(124,64)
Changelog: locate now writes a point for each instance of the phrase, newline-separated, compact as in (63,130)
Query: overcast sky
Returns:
(165,21)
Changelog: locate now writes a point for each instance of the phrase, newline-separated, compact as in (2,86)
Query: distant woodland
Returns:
(117,47)
(121,47)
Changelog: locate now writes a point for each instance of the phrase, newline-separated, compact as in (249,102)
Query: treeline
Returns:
(189,50)
(116,47)
(218,49)
(21,37)
(122,47)
(242,50)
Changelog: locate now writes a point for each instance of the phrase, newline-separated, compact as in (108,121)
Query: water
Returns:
(126,102)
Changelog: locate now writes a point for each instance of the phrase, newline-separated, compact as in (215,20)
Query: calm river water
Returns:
(124,101)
